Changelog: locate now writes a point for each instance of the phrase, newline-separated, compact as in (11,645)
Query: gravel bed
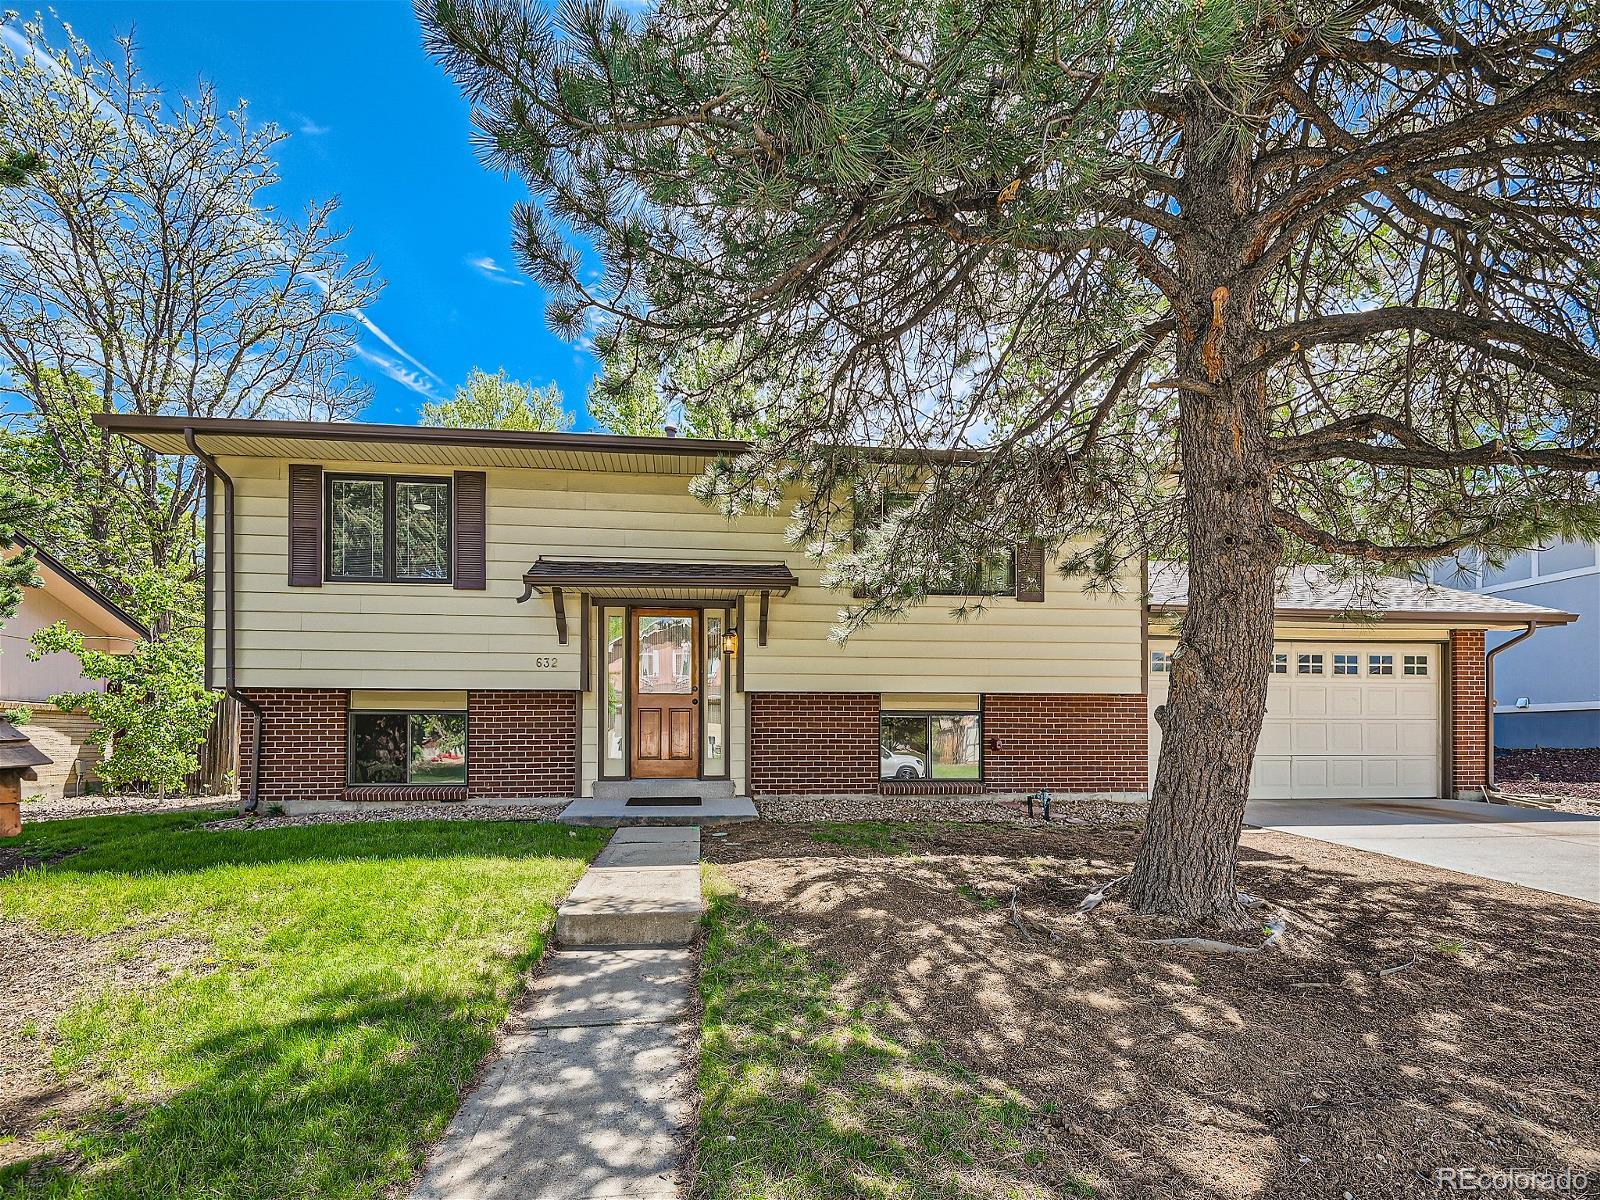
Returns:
(409,812)
(66,808)
(1566,780)
(945,808)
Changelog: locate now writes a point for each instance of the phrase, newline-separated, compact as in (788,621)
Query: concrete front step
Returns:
(616,813)
(627,789)
(642,890)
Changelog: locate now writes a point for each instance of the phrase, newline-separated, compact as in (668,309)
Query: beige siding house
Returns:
(415,613)
(26,683)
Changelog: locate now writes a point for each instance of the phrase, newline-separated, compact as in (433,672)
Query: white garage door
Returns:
(1357,719)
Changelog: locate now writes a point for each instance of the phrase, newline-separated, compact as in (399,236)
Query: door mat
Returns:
(662,802)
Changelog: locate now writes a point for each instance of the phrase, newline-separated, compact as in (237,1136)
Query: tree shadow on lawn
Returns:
(1150,1071)
(358,974)
(271,1119)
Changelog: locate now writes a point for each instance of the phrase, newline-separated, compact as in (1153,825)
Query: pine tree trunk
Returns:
(1212,719)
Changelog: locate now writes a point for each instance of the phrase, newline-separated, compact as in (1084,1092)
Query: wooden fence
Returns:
(218,772)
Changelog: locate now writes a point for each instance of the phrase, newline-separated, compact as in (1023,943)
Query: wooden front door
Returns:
(665,693)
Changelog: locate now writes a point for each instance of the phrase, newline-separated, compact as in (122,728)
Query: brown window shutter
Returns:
(472,519)
(305,525)
(1030,572)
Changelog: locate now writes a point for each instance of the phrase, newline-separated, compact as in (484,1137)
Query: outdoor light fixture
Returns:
(730,641)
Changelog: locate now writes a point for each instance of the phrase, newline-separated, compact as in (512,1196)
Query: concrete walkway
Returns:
(1553,852)
(589,1098)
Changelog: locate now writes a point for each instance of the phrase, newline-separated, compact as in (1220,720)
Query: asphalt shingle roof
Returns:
(1314,591)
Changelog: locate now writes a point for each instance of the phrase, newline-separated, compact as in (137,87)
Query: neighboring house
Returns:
(445,614)
(24,683)
(1547,689)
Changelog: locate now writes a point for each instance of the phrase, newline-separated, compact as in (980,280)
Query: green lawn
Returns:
(807,1097)
(347,980)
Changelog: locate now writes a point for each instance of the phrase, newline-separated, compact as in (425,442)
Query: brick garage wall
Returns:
(1066,743)
(521,744)
(1469,714)
(303,748)
(815,742)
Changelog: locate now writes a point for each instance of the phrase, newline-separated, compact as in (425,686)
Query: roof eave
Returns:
(1497,620)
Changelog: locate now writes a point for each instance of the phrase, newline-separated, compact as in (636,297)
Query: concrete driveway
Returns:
(1554,852)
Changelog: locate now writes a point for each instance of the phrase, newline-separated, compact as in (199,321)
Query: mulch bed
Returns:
(1569,778)
(1067,810)
(1417,1018)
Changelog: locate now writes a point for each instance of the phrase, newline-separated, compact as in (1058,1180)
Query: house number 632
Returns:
(544,662)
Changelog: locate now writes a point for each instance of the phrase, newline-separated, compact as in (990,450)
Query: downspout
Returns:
(1488,686)
(229,587)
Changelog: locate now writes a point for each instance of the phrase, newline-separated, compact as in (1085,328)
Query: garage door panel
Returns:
(1346,737)
(1270,778)
(1309,737)
(1310,700)
(1345,701)
(1419,702)
(1276,737)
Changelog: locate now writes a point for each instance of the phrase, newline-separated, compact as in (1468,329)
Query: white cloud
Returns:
(418,382)
(493,271)
(309,127)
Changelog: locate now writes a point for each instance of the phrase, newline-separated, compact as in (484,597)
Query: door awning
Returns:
(636,580)
(657,580)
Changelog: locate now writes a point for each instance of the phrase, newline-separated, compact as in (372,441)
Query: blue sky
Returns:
(374,123)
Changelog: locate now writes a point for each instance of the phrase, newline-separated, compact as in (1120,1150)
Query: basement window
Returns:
(417,748)
(930,746)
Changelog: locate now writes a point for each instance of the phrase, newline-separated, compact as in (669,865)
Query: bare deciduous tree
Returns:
(141,271)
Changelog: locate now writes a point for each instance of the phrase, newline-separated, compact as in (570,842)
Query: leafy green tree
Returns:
(690,394)
(496,402)
(154,711)
(18,570)
(1244,281)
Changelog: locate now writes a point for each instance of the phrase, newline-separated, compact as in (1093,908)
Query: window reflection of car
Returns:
(900,766)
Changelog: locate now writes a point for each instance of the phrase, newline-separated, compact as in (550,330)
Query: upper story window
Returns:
(385,528)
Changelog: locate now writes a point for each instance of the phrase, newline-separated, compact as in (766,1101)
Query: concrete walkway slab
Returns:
(590,1097)
(1549,851)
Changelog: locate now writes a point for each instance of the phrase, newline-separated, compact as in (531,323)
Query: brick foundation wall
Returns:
(816,742)
(521,744)
(303,748)
(1066,743)
(1469,714)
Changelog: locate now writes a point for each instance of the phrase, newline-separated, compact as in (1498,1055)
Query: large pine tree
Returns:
(1245,281)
